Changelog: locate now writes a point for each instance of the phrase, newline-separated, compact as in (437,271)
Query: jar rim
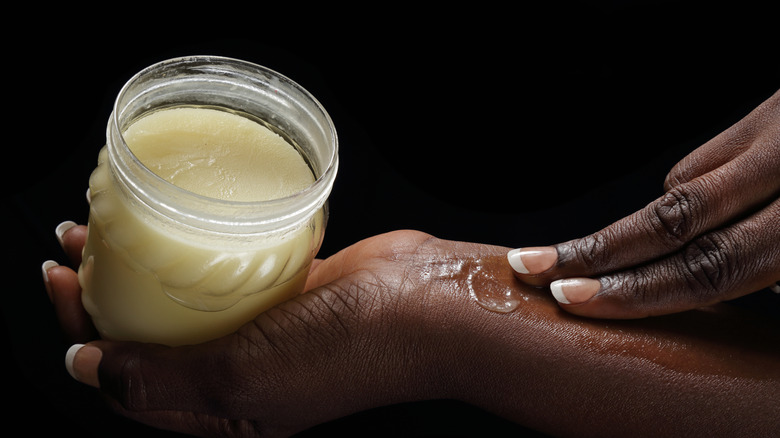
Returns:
(220,214)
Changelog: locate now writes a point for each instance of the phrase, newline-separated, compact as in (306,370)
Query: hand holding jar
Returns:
(391,319)
(208,202)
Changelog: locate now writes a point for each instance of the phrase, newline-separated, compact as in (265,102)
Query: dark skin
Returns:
(393,319)
(713,235)
(390,319)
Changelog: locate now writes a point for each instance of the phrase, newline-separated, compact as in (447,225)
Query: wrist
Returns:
(546,369)
(465,345)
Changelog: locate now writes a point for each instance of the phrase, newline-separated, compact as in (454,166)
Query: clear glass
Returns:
(163,264)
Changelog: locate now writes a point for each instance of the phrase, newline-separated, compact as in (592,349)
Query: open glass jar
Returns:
(168,265)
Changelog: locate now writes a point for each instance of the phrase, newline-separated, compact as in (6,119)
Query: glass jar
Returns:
(163,264)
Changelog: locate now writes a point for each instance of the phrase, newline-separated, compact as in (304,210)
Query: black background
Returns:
(510,125)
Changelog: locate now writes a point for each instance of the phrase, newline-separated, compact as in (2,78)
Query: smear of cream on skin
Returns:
(492,294)
(485,289)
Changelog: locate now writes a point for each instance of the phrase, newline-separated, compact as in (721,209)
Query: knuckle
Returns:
(707,265)
(673,218)
(638,292)
(632,285)
(140,383)
(133,391)
(590,252)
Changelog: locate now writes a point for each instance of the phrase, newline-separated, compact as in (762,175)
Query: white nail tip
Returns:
(556,287)
(70,356)
(48,264)
(62,228)
(516,261)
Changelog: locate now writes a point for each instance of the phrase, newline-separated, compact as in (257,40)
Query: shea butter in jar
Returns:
(208,203)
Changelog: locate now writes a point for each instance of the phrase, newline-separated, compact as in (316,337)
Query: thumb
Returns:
(142,377)
(163,387)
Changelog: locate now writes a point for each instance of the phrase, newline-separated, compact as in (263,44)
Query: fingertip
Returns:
(48,264)
(60,279)
(516,261)
(82,361)
(556,288)
(70,355)
(574,290)
(61,229)
(589,298)
(72,238)
(532,260)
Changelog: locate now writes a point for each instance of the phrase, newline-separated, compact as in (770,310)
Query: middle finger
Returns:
(664,226)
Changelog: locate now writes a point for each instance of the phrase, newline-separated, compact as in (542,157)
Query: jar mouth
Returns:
(239,86)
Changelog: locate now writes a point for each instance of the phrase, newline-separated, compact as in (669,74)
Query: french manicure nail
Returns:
(532,260)
(48,264)
(574,290)
(82,362)
(69,358)
(62,228)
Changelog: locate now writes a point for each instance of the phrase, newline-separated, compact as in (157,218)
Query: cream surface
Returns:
(218,154)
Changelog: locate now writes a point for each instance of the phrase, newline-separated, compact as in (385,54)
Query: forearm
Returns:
(393,319)
(705,372)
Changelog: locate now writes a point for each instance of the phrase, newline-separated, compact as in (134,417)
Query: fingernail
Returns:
(89,196)
(82,362)
(48,264)
(574,290)
(532,260)
(62,228)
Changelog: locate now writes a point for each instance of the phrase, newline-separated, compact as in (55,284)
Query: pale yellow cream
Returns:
(218,154)
(146,281)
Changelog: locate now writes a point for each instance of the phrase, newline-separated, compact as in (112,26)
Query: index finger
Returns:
(663,226)
(72,237)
